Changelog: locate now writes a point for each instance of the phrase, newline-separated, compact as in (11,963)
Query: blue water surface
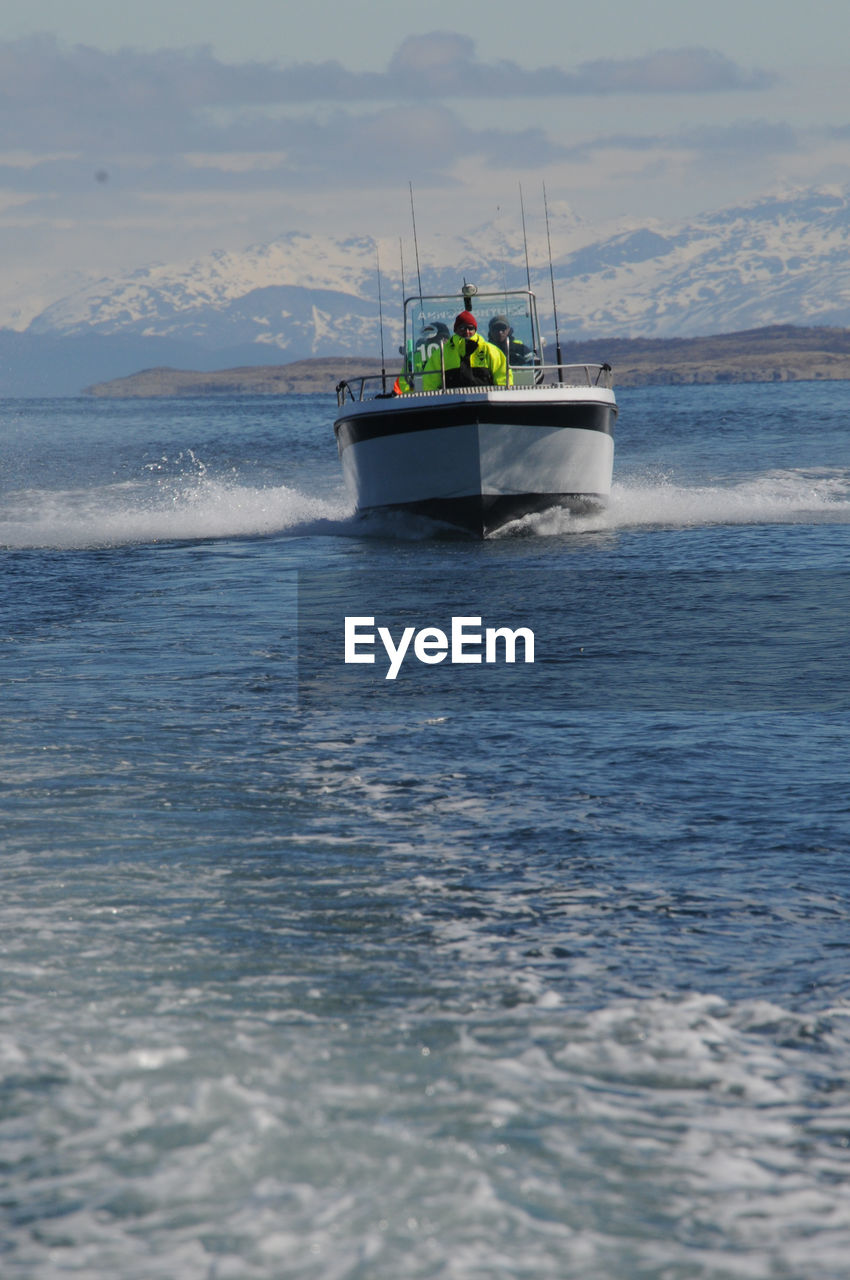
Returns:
(463,980)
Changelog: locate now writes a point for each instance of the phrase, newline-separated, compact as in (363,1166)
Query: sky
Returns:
(135,134)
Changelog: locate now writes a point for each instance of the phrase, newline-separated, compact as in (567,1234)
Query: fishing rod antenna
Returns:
(524,240)
(552,278)
(381,318)
(415,244)
(505,253)
(407,349)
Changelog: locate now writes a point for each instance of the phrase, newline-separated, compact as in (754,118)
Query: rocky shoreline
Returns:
(780,353)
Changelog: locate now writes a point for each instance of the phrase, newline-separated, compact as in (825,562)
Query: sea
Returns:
(484,970)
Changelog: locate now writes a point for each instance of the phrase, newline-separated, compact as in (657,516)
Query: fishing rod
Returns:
(407,349)
(524,240)
(505,253)
(552,278)
(415,245)
(381,318)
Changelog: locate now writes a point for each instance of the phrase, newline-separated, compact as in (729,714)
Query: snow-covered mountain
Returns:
(779,260)
(300,294)
(287,295)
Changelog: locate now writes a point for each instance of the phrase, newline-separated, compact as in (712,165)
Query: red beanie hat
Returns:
(466,317)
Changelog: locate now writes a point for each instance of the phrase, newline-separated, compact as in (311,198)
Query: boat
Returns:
(475,458)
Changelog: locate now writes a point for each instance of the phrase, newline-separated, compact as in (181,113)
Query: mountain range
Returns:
(779,260)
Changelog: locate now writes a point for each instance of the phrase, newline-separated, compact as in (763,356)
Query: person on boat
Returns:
(501,334)
(426,344)
(467,359)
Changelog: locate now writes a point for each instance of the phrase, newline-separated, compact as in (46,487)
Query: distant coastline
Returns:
(779,353)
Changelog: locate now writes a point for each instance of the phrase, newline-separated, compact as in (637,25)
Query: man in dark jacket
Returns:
(501,334)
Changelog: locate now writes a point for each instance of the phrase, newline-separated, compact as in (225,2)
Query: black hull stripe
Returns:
(405,421)
(483,514)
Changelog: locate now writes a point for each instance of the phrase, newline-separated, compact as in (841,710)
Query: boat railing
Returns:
(377,386)
(574,375)
(364,388)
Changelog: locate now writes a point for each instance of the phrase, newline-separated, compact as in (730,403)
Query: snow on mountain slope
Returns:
(301,294)
(778,261)
(781,259)
(164,297)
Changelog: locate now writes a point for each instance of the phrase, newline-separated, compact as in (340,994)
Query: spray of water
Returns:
(168,505)
(164,508)
(814,496)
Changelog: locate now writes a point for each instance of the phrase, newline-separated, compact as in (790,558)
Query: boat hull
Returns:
(478,460)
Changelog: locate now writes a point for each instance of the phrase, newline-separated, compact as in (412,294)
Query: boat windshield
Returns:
(502,317)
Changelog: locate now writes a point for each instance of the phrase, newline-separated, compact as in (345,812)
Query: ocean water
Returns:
(540,971)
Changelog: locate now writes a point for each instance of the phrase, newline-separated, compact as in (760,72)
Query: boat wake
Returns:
(207,508)
(812,496)
(134,512)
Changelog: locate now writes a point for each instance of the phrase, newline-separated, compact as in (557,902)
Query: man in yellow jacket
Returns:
(426,344)
(468,359)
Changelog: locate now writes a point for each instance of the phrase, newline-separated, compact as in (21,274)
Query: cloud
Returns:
(365,149)
(60,97)
(72,113)
(746,137)
(93,130)
(134,154)
(444,63)
(669,71)
(757,138)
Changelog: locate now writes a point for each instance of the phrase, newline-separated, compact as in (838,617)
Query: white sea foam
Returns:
(170,511)
(820,496)
(173,508)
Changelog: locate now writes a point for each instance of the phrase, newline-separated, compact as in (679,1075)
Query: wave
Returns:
(133,512)
(811,496)
(201,507)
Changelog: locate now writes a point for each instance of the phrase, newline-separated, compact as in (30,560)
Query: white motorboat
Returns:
(477,457)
